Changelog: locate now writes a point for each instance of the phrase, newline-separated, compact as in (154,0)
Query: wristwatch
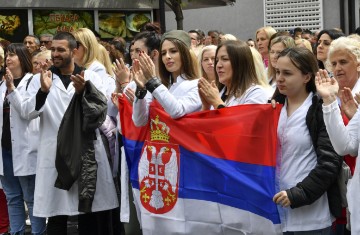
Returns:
(140,93)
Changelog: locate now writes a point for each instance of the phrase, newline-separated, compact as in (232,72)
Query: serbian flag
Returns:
(210,172)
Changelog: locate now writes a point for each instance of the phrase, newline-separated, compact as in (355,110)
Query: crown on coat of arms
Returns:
(159,130)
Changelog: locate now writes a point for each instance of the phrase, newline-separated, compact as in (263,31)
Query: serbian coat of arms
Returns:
(159,170)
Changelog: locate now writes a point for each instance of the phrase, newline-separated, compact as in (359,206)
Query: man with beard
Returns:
(49,95)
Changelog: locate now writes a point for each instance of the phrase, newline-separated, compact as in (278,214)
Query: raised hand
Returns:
(45,78)
(327,87)
(78,82)
(9,80)
(209,93)
(137,74)
(147,66)
(348,104)
(122,72)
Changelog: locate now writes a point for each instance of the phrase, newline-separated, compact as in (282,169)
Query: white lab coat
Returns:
(255,94)
(180,99)
(108,80)
(346,140)
(24,132)
(48,200)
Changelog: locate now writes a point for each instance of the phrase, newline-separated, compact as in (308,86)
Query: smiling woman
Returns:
(236,78)
(176,90)
(19,142)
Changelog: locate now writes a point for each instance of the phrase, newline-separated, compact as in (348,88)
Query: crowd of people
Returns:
(45,81)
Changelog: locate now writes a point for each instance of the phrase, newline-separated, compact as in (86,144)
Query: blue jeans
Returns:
(324,231)
(19,189)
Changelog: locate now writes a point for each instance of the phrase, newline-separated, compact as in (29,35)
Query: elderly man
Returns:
(32,43)
(45,41)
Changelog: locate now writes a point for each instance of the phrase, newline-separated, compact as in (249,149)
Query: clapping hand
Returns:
(326,87)
(138,75)
(209,94)
(122,72)
(9,80)
(147,66)
(348,104)
(78,82)
(45,78)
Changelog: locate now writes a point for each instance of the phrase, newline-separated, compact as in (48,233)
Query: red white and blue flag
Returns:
(210,172)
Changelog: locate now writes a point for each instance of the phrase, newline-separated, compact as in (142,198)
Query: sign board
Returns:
(53,21)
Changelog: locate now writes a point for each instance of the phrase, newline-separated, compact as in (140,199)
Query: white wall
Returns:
(242,19)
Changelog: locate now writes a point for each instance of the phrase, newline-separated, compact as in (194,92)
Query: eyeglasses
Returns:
(45,42)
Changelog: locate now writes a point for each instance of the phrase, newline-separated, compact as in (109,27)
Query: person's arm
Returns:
(177,107)
(343,138)
(140,114)
(28,104)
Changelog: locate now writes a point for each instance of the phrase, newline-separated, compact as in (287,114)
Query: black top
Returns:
(6,134)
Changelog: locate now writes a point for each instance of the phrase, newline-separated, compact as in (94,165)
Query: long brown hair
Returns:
(190,66)
(243,66)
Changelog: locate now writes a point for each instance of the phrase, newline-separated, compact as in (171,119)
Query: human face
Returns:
(289,79)
(139,46)
(61,54)
(194,40)
(214,38)
(79,55)
(251,43)
(275,50)
(12,61)
(132,52)
(46,42)
(323,47)
(36,65)
(36,61)
(306,36)
(262,42)
(171,58)
(208,61)
(30,44)
(224,69)
(345,68)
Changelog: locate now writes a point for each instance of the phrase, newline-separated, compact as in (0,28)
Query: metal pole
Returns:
(162,15)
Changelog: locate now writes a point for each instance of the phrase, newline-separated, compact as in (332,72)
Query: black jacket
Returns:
(323,178)
(75,153)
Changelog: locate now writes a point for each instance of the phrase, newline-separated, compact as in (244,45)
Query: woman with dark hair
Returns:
(176,89)
(325,37)
(236,78)
(19,142)
(307,165)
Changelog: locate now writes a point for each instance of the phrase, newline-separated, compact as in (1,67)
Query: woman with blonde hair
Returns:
(207,61)
(277,45)
(299,42)
(263,36)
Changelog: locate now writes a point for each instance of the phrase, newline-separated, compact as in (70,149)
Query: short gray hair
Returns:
(351,45)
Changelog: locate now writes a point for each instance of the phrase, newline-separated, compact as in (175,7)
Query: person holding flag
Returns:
(236,78)
(307,169)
